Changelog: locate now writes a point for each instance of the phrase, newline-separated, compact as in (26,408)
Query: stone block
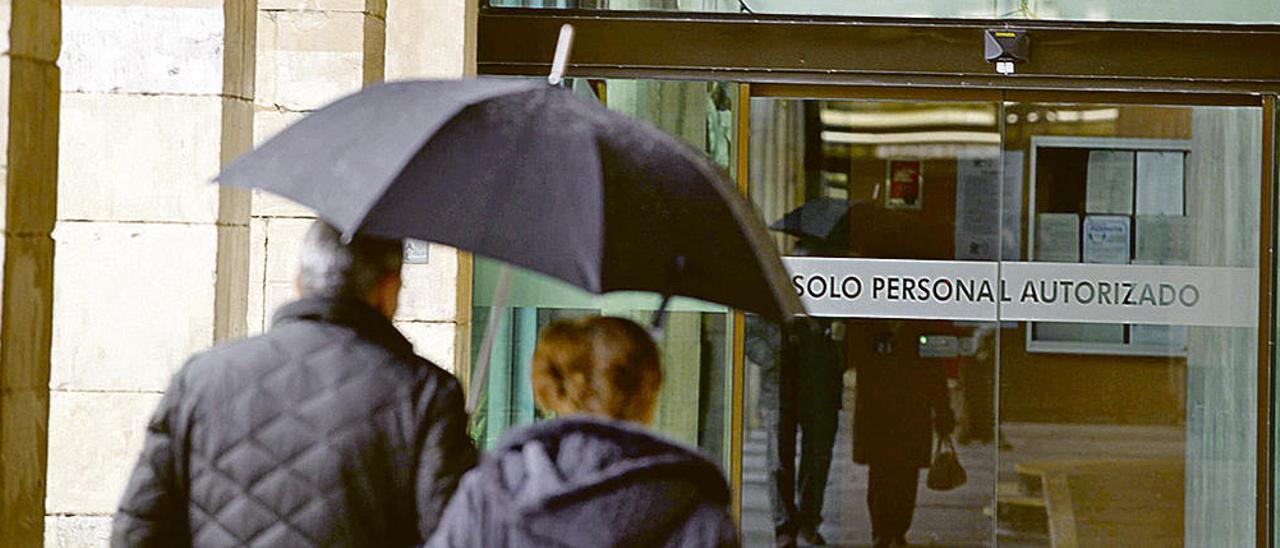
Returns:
(76,531)
(255,315)
(307,59)
(144,48)
(433,341)
(94,441)
(139,158)
(354,6)
(430,291)
(283,239)
(268,121)
(30,145)
(133,302)
(28,270)
(23,424)
(231,290)
(32,29)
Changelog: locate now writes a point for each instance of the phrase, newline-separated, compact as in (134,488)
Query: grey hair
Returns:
(329,268)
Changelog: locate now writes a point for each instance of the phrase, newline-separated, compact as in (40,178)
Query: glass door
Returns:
(1128,359)
(865,198)
(1065,292)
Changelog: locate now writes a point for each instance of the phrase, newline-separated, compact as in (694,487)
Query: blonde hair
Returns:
(597,365)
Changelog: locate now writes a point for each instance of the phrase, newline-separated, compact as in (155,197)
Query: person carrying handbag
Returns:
(901,403)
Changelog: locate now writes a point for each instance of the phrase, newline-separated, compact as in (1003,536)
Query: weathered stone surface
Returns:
(231,305)
(94,440)
(430,38)
(280,268)
(156,170)
(429,292)
(431,340)
(31,145)
(356,6)
(33,29)
(133,302)
(307,59)
(76,531)
(154,49)
(255,314)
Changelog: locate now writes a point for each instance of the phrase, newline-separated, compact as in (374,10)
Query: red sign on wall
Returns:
(905,182)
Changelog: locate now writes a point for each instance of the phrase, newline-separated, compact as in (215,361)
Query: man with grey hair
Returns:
(326,430)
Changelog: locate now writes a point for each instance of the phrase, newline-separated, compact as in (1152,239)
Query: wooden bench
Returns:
(1110,503)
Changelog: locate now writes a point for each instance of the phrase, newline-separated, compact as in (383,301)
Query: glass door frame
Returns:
(920,59)
(1265,435)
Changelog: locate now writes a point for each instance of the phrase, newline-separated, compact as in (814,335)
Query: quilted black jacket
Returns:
(325,431)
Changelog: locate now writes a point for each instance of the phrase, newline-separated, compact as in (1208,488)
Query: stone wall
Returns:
(152,262)
(29,47)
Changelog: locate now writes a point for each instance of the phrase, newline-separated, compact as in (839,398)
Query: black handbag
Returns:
(945,473)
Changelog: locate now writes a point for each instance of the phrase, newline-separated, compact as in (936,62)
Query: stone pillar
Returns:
(310,52)
(29,77)
(151,258)
(435,39)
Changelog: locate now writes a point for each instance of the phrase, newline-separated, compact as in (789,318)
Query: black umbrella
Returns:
(532,175)
(822,219)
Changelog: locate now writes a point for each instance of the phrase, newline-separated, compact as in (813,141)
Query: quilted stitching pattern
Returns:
(309,435)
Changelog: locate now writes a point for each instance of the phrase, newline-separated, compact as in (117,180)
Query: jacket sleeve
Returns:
(707,525)
(462,524)
(445,454)
(153,511)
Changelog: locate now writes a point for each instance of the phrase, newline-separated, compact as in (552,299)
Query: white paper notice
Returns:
(1079,332)
(1160,183)
(1110,182)
(1106,239)
(1158,335)
(1162,239)
(1011,226)
(1058,237)
(977,231)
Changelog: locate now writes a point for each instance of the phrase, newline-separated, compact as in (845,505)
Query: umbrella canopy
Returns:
(823,218)
(531,175)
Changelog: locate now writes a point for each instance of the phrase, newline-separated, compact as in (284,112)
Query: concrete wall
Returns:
(29,47)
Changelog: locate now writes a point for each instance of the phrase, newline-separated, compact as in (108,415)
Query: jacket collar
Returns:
(352,313)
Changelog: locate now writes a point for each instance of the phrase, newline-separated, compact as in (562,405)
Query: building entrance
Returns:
(1068,291)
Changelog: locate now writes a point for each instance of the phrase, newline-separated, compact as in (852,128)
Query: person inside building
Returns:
(594,476)
(325,431)
(899,405)
(799,397)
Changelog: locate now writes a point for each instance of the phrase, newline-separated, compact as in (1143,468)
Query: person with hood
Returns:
(593,477)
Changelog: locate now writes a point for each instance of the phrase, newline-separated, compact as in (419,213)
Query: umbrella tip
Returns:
(560,63)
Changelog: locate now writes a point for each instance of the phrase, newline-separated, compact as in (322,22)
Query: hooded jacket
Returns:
(588,482)
(325,431)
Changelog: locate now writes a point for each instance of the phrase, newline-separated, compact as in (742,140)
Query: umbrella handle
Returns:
(480,375)
(560,63)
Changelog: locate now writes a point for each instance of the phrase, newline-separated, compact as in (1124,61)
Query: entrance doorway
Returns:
(1076,283)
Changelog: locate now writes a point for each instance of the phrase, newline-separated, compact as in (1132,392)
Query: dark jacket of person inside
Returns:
(325,431)
(593,477)
(899,404)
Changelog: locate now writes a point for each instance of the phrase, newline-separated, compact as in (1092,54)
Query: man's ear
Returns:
(297,285)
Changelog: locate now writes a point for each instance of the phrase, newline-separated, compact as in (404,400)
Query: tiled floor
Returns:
(954,518)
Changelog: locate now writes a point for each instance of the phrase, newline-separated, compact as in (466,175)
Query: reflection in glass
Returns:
(858,392)
(1133,434)
(695,345)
